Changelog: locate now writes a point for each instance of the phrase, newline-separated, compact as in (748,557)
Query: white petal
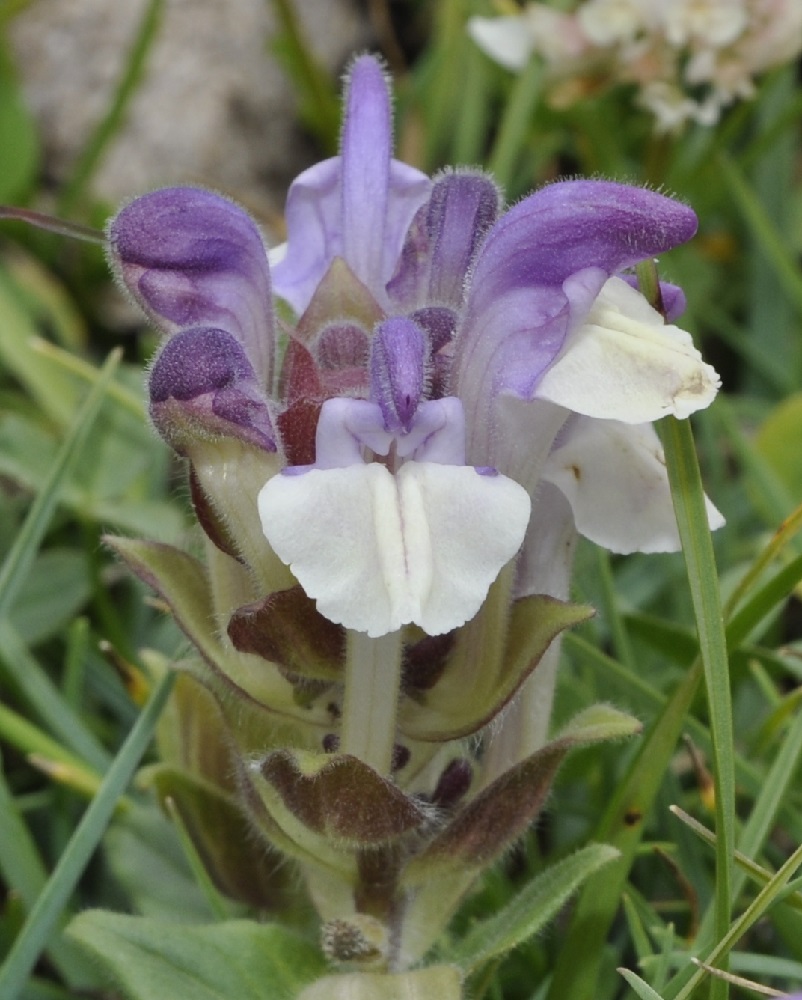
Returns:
(615,479)
(275,255)
(625,364)
(378,552)
(507,40)
(475,524)
(339,530)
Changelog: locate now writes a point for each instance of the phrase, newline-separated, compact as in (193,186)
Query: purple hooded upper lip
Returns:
(495,294)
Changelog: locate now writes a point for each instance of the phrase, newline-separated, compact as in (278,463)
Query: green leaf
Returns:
(597,724)
(235,960)
(19,560)
(777,442)
(50,904)
(530,909)
(52,595)
(19,149)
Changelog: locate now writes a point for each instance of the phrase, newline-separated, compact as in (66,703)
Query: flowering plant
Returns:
(396,426)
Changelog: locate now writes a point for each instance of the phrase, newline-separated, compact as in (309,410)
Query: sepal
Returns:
(336,797)
(230,473)
(287,629)
(232,676)
(500,813)
(472,689)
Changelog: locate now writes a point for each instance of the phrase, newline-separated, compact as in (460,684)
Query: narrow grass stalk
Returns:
(577,969)
(781,538)
(22,553)
(215,901)
(86,372)
(747,867)
(46,701)
(611,613)
(770,241)
(697,547)
(640,986)
(515,127)
(24,871)
(759,905)
(319,100)
(29,739)
(50,904)
(109,125)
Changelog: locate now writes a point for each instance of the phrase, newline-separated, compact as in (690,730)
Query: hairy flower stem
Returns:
(372,682)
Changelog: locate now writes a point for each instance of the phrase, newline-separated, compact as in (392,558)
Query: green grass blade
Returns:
(111,122)
(20,863)
(515,124)
(697,546)
(781,538)
(62,764)
(45,699)
(639,986)
(746,866)
(769,240)
(50,904)
(621,827)
(24,872)
(23,551)
(764,601)
(319,101)
(759,905)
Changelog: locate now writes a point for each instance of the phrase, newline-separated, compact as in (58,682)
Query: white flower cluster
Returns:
(688,58)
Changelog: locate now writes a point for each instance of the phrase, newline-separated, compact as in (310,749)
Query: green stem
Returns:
(697,548)
(372,683)
(515,124)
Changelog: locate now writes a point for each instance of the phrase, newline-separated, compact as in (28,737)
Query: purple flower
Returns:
(436,338)
(392,469)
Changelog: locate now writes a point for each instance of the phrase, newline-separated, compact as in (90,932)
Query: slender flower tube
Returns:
(391,483)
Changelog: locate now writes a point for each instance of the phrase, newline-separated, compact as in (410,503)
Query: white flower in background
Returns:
(710,23)
(688,58)
(608,22)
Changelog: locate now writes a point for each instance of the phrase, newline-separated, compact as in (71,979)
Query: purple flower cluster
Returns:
(429,326)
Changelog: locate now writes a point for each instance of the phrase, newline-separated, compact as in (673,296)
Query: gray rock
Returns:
(214,107)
